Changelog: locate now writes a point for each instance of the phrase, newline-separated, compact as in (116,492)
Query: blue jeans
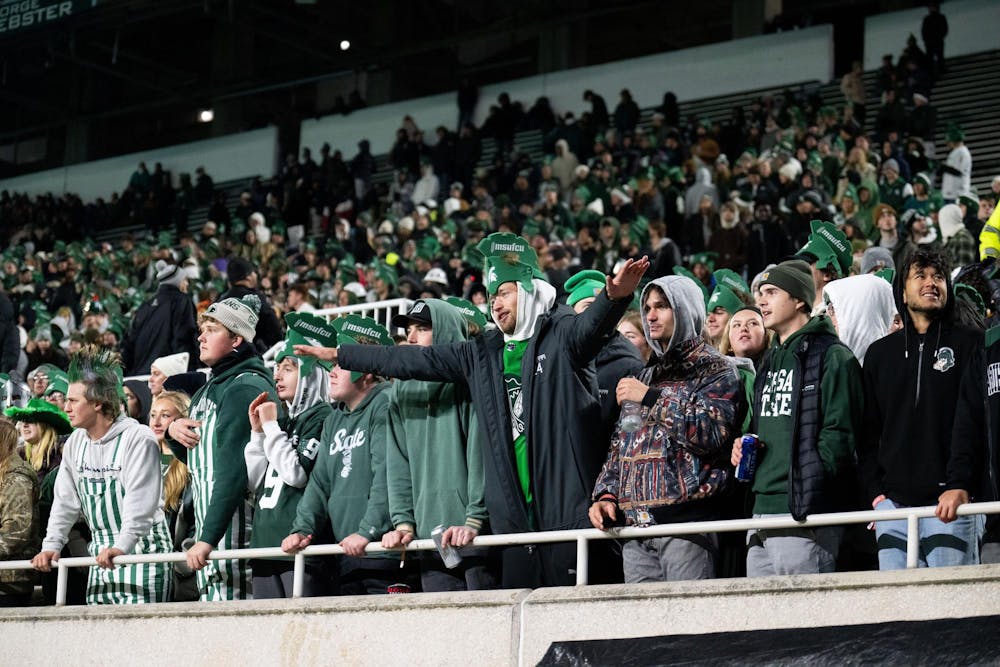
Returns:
(941,544)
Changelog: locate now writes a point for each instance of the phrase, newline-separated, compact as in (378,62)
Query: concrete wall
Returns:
(972,28)
(488,628)
(704,71)
(224,158)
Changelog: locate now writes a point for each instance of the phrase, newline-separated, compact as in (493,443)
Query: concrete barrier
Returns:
(485,628)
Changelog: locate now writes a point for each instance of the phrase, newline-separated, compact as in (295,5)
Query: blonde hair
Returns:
(41,452)
(8,445)
(177,477)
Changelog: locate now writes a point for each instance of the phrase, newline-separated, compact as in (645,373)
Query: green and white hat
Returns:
(358,330)
(830,247)
(468,310)
(238,315)
(509,258)
(725,298)
(731,279)
(307,329)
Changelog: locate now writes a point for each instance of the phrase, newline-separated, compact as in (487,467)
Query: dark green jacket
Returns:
(774,412)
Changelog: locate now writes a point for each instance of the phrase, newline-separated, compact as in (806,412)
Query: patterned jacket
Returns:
(19,538)
(678,458)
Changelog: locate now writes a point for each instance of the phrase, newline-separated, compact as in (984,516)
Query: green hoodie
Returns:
(218,471)
(842,408)
(866,210)
(348,481)
(433,457)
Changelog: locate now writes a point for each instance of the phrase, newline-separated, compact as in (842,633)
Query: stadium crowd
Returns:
(590,337)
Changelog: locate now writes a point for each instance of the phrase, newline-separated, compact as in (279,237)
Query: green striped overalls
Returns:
(102,501)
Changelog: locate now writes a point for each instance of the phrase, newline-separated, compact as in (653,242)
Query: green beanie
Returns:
(584,285)
(795,277)
(724,298)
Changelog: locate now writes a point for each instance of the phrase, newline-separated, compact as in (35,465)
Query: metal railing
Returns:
(582,537)
(381,311)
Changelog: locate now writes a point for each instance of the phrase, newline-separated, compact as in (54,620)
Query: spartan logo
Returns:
(491,276)
(514,400)
(945,359)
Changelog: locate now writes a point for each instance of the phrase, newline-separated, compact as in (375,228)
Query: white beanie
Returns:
(238,315)
(172,364)
(169,274)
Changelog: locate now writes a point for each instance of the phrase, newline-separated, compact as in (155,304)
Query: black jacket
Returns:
(10,337)
(618,359)
(269,329)
(166,324)
(563,427)
(911,383)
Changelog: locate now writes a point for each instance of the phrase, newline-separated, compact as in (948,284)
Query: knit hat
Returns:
(584,285)
(238,315)
(890,164)
(706,258)
(39,410)
(169,274)
(954,133)
(172,364)
(238,269)
(436,275)
(795,277)
(924,178)
(875,258)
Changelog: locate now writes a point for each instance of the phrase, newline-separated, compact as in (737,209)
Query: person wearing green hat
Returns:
(347,490)
(721,305)
(535,393)
(956,170)
(434,460)
(830,256)
(282,452)
(112,479)
(617,359)
(808,437)
(55,392)
(211,441)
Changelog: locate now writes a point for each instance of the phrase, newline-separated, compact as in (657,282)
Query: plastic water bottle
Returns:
(631,416)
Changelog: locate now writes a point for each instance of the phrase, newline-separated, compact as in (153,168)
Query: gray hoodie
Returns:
(688,304)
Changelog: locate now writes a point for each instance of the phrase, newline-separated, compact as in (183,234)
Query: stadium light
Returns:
(206,116)
(344,45)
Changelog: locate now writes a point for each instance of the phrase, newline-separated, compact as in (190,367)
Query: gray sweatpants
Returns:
(792,550)
(670,558)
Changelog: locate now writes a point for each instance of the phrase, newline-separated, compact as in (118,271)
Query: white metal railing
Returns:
(582,537)
(381,311)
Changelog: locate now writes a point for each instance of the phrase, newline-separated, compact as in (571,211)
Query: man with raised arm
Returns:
(534,388)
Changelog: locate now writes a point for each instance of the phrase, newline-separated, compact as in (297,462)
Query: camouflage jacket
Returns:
(19,538)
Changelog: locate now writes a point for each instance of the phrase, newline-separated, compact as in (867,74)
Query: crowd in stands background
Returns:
(679,233)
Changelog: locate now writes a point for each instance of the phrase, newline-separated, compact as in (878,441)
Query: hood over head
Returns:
(864,308)
(688,304)
(530,306)
(950,221)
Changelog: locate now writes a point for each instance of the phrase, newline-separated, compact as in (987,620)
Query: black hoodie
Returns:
(911,386)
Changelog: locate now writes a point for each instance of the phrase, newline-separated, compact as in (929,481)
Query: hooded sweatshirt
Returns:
(433,457)
(348,483)
(775,414)
(866,211)
(912,382)
(864,308)
(676,463)
(702,186)
(128,453)
(280,458)
(218,470)
(959,245)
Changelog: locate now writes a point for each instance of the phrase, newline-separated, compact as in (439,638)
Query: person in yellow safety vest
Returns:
(989,238)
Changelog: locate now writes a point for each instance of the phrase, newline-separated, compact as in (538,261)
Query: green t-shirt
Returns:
(513,353)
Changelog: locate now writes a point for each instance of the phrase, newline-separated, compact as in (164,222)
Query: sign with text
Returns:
(20,14)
